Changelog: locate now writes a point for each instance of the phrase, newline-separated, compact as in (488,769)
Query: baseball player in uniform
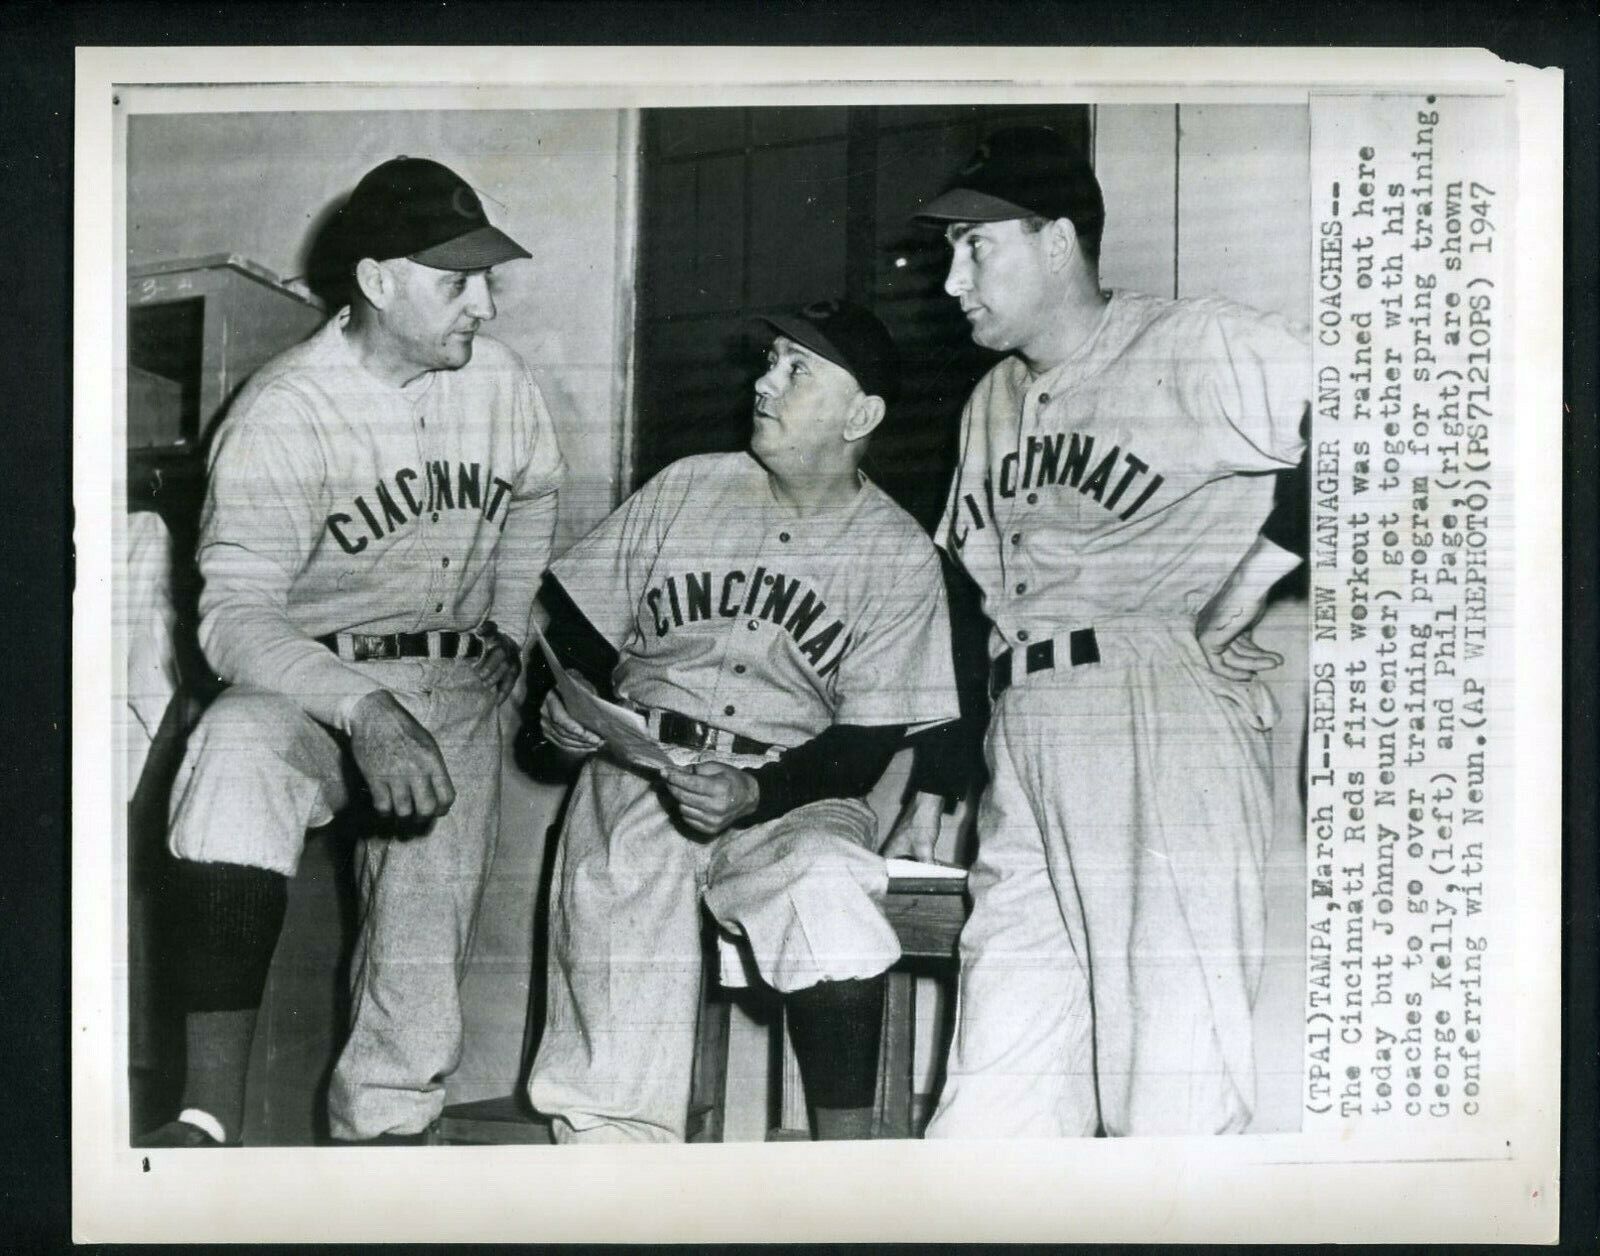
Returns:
(1108,500)
(379,513)
(781,623)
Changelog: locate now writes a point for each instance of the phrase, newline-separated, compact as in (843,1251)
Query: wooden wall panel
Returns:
(1135,157)
(797,223)
(687,132)
(1244,205)
(720,191)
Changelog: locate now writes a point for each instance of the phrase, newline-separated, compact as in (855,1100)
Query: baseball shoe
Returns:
(177,1134)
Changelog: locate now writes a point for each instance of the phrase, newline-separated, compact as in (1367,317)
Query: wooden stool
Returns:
(927,914)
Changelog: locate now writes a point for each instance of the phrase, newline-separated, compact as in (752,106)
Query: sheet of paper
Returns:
(624,731)
(903,868)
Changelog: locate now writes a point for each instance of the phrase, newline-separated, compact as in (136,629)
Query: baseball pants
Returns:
(803,892)
(1114,951)
(259,772)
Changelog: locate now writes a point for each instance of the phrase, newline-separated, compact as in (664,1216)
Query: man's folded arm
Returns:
(248,638)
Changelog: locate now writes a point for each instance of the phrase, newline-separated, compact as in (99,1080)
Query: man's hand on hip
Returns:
(399,760)
(711,796)
(1223,627)
(501,661)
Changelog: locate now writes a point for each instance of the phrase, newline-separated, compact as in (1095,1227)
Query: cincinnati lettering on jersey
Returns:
(1064,460)
(768,595)
(435,487)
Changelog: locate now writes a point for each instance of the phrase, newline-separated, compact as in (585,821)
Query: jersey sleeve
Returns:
(260,521)
(605,574)
(523,552)
(1260,385)
(899,670)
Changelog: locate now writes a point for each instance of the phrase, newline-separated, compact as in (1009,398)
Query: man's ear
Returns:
(1062,243)
(865,414)
(374,283)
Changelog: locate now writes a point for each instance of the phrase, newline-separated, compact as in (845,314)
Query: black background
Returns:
(36,79)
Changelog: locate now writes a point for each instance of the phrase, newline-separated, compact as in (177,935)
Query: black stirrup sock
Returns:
(836,1027)
(228,919)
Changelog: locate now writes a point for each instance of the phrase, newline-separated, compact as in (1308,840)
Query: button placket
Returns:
(423,534)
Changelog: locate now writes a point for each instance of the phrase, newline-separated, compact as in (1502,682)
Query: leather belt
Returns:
(1082,648)
(368,647)
(679,730)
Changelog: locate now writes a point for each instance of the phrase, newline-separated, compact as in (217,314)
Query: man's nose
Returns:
(767,385)
(480,300)
(957,280)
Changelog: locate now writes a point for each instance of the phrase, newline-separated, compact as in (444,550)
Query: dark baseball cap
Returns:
(415,208)
(848,335)
(1022,172)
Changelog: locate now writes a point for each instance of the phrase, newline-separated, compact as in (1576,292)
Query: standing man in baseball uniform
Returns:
(379,512)
(781,623)
(1110,490)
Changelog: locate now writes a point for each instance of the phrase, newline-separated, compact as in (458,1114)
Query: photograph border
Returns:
(871,1192)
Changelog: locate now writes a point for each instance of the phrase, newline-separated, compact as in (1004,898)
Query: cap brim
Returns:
(479,249)
(966,205)
(802,332)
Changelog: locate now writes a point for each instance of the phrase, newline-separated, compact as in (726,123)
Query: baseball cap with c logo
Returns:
(418,209)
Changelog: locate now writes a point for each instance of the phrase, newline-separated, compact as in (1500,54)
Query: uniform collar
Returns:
(1093,352)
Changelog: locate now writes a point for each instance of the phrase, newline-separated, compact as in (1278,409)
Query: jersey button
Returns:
(754,624)
(784,537)
(445,561)
(1022,586)
(1022,634)
(1033,499)
(436,516)
(728,710)
(1044,399)
(1016,538)
(738,669)
(438,607)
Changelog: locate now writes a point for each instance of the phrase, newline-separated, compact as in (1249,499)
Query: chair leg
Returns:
(794,1122)
(896,1056)
(708,1096)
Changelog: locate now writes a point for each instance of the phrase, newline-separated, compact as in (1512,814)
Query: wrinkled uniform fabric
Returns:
(339,503)
(1114,951)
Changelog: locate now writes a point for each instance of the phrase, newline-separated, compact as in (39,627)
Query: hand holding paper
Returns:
(578,720)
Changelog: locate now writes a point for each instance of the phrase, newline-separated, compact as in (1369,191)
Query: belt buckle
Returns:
(686,732)
(367,647)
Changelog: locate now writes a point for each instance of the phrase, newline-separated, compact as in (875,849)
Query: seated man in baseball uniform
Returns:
(381,497)
(781,623)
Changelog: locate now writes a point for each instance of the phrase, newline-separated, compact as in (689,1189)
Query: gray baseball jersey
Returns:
(340,503)
(731,608)
(1107,489)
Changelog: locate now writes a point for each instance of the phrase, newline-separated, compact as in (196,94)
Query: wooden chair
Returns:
(927,915)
